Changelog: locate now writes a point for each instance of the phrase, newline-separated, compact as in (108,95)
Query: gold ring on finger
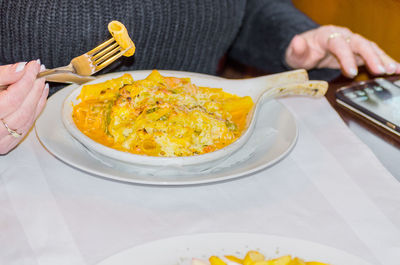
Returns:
(12,132)
(334,35)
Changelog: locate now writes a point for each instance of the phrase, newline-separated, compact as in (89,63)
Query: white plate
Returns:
(180,250)
(274,136)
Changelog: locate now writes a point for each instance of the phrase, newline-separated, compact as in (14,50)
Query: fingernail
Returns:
(353,72)
(391,68)
(38,61)
(20,67)
(42,68)
(381,69)
(46,87)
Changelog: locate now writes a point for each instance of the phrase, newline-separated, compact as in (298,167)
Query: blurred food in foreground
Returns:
(254,258)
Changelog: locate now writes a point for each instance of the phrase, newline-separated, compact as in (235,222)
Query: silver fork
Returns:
(81,67)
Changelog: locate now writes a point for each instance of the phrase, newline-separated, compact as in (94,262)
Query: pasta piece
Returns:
(105,91)
(121,36)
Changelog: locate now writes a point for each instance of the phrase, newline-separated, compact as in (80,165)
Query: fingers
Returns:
(23,119)
(7,143)
(391,66)
(298,53)
(14,96)
(341,49)
(375,58)
(21,104)
(325,47)
(26,113)
(11,73)
(42,101)
(371,58)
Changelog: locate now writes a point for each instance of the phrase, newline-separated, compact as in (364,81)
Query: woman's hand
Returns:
(338,47)
(21,102)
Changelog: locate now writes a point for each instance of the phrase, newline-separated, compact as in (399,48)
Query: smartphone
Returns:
(378,100)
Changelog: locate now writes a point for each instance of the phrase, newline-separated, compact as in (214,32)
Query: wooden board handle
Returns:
(309,88)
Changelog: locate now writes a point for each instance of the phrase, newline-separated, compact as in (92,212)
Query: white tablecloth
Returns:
(330,189)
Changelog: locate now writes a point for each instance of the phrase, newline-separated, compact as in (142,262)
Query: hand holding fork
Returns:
(80,69)
(24,93)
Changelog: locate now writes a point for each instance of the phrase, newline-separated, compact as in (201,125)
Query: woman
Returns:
(180,35)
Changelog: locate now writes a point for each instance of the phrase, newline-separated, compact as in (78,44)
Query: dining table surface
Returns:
(339,186)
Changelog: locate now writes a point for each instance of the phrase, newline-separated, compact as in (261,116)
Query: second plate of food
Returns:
(182,249)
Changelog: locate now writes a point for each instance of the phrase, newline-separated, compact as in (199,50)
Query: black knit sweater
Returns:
(190,35)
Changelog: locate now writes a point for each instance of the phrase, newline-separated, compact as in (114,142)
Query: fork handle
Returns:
(68,77)
(67,68)
(60,75)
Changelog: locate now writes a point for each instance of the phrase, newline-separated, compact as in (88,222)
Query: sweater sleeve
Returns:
(267,29)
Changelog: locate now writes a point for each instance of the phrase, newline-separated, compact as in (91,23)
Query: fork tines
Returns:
(105,53)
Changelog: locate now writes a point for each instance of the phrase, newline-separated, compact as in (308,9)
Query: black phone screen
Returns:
(379,99)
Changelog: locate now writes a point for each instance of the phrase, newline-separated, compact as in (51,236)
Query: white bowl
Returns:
(161,165)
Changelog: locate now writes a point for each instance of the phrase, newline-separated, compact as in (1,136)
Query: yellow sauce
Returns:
(160,116)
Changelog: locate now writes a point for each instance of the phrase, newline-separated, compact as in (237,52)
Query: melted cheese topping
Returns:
(160,116)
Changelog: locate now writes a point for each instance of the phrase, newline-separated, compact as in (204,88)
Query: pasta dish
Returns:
(160,116)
